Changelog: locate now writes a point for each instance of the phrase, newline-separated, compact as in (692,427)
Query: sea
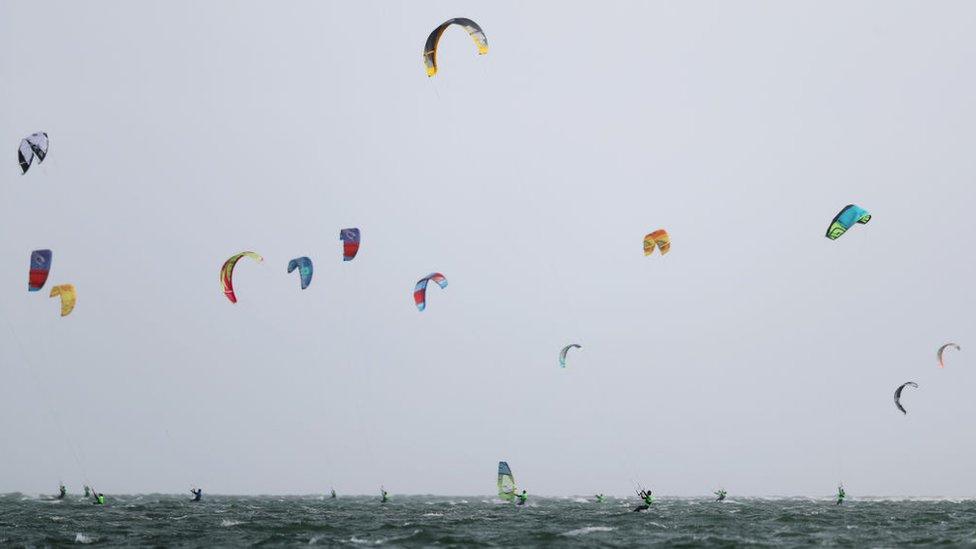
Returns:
(426,521)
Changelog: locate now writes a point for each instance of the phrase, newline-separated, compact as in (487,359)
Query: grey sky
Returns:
(757,355)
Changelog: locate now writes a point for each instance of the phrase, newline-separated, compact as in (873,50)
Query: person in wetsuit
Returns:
(384,495)
(841,494)
(600,498)
(333,496)
(62,492)
(646,500)
(197,494)
(521,498)
(720,495)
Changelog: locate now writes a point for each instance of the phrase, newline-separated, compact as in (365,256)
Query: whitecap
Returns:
(588,530)
(227,523)
(82,538)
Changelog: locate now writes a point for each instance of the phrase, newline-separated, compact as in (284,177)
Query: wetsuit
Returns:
(600,498)
(333,494)
(521,498)
(99,499)
(720,494)
(197,494)
(840,495)
(386,497)
(63,492)
(647,499)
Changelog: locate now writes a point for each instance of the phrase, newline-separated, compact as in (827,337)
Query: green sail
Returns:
(506,482)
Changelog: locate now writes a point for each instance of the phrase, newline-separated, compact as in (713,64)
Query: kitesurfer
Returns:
(99,498)
(841,494)
(87,491)
(384,496)
(62,492)
(521,498)
(333,496)
(197,494)
(646,500)
(600,498)
(721,495)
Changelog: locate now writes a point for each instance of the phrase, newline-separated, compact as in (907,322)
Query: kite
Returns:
(350,243)
(40,266)
(562,354)
(227,273)
(33,145)
(430,48)
(67,293)
(420,291)
(659,237)
(304,266)
(898,395)
(845,219)
(942,350)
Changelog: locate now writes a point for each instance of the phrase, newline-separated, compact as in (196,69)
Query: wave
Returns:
(587,530)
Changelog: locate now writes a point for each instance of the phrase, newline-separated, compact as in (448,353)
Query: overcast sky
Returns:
(757,355)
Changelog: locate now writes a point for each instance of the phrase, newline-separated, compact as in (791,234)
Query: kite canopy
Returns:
(420,290)
(67,293)
(227,273)
(898,395)
(430,48)
(506,482)
(845,219)
(660,238)
(350,243)
(33,145)
(40,266)
(942,350)
(304,266)
(562,353)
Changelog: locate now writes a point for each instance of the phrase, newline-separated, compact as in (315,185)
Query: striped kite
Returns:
(420,290)
(40,266)
(33,145)
(350,243)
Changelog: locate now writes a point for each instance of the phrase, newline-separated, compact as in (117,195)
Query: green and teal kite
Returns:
(846,219)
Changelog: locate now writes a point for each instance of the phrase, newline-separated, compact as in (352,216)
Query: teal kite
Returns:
(846,219)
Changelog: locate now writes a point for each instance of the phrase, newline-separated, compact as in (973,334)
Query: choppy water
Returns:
(424,521)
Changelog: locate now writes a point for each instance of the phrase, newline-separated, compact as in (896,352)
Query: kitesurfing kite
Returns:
(350,243)
(845,219)
(67,293)
(942,350)
(304,266)
(506,482)
(430,48)
(660,238)
(40,266)
(898,395)
(33,145)
(227,273)
(562,354)
(420,290)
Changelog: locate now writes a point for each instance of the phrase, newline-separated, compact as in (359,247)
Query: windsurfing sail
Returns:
(506,482)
